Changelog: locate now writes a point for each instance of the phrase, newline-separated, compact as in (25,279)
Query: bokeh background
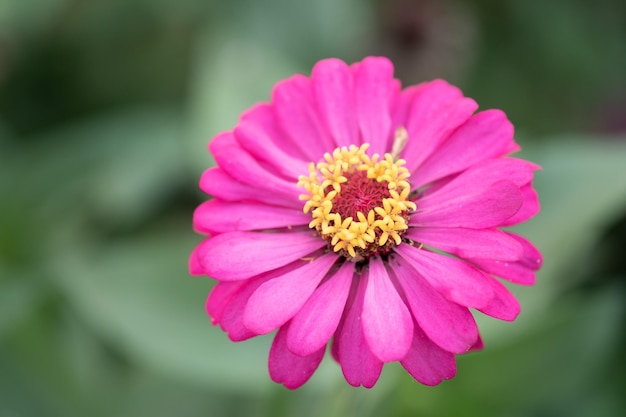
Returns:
(106,107)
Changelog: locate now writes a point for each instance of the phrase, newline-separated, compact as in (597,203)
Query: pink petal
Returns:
(530,206)
(427,362)
(358,363)
(227,306)
(315,323)
(515,272)
(232,316)
(265,132)
(258,134)
(278,300)
(486,135)
(489,207)
(437,109)
(532,257)
(503,305)
(469,243)
(479,345)
(239,164)
(374,91)
(216,182)
(387,323)
(400,110)
(219,297)
(194,264)
(218,216)
(240,255)
(521,272)
(454,279)
(448,324)
(288,369)
(333,88)
(294,105)
(483,175)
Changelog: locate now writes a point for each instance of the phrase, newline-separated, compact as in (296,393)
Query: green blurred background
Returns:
(105,111)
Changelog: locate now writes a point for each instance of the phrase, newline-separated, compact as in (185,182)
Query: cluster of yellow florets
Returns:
(370,233)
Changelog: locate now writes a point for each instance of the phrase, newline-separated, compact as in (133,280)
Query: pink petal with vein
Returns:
(278,300)
(231,320)
(194,264)
(446,323)
(313,326)
(219,298)
(387,323)
(219,184)
(503,305)
(258,133)
(374,91)
(454,279)
(236,255)
(483,175)
(358,363)
(427,362)
(288,369)
(489,207)
(294,104)
(486,135)
(218,216)
(469,243)
(530,206)
(479,345)
(239,164)
(400,110)
(333,87)
(520,272)
(436,110)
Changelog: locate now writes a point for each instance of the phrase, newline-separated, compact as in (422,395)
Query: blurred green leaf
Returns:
(240,58)
(223,86)
(305,30)
(35,371)
(582,187)
(117,168)
(18,294)
(552,65)
(27,16)
(138,295)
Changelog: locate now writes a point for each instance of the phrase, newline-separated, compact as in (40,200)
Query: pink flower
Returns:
(352,210)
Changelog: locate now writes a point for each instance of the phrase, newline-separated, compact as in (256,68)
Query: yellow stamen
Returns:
(366,234)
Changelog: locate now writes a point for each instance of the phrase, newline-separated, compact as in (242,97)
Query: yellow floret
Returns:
(370,232)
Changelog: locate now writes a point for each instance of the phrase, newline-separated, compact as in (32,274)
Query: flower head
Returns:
(353,211)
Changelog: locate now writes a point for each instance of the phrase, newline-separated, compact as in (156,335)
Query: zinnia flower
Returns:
(349,209)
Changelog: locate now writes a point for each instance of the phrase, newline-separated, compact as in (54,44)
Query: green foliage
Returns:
(106,108)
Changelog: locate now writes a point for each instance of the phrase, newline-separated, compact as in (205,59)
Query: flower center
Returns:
(359,204)
(359,194)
